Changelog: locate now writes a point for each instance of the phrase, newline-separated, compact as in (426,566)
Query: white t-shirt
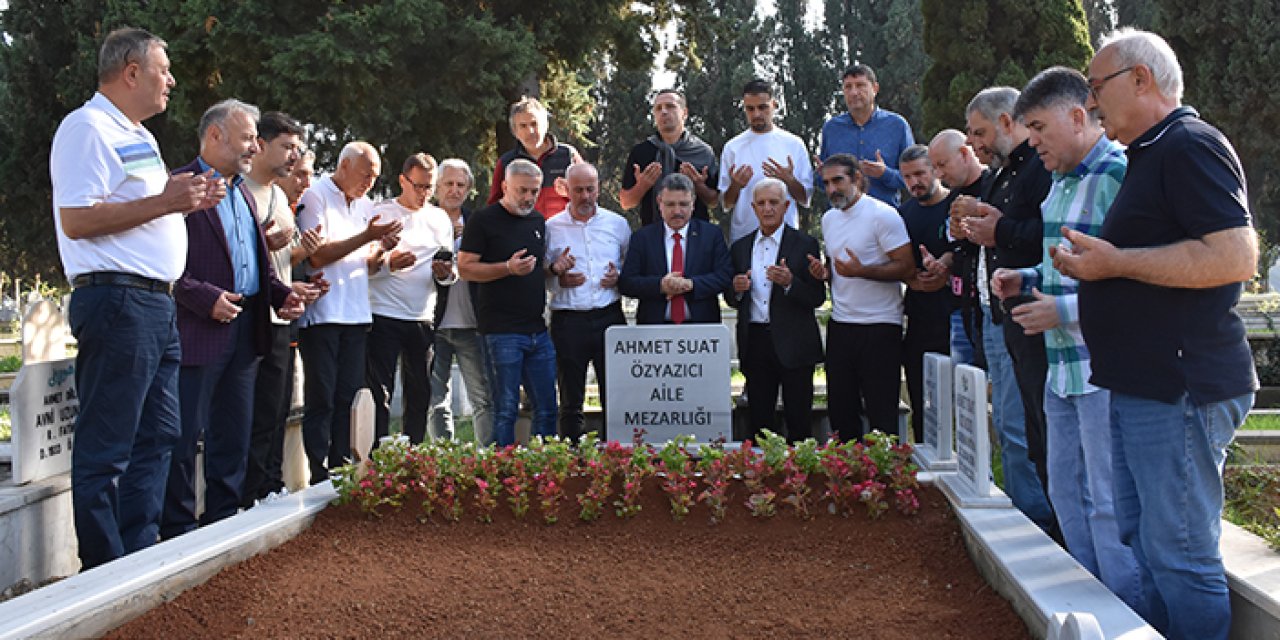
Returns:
(272,204)
(459,312)
(99,156)
(871,229)
(594,244)
(751,148)
(348,299)
(410,293)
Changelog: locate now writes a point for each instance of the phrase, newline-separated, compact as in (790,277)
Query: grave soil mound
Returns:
(355,575)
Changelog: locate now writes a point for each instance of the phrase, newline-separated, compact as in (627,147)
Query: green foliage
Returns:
(975,44)
(10,364)
(621,120)
(1229,59)
(1253,500)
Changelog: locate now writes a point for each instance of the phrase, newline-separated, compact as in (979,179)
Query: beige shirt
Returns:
(273,205)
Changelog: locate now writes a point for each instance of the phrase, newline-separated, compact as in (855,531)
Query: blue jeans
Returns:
(127,381)
(961,346)
(519,358)
(468,347)
(1007,416)
(1168,480)
(1082,490)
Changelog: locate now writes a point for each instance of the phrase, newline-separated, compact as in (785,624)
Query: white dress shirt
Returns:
(595,244)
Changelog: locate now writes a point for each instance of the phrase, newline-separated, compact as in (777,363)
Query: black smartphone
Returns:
(443,254)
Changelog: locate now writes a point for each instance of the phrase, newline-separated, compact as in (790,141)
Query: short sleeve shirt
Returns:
(1184,181)
(511,304)
(753,149)
(870,229)
(99,156)
(410,293)
(641,156)
(348,299)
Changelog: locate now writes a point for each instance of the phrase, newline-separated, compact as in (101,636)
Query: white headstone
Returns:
(668,380)
(935,452)
(43,406)
(362,428)
(971,485)
(44,333)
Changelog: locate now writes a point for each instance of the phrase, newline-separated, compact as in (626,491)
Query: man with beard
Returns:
(669,150)
(929,299)
(869,255)
(1007,225)
(762,151)
(224,323)
(585,248)
(503,250)
(280,138)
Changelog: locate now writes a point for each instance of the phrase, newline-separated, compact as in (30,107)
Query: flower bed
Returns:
(447,479)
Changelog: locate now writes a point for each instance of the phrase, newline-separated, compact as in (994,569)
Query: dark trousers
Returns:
(1031,368)
(127,383)
(333,363)
(410,342)
(579,340)
(765,374)
(862,377)
(217,406)
(272,395)
(924,335)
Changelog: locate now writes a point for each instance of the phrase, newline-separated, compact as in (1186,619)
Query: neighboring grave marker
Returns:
(361,430)
(971,485)
(935,452)
(668,380)
(43,404)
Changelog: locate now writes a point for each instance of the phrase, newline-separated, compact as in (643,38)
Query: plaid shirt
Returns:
(1078,200)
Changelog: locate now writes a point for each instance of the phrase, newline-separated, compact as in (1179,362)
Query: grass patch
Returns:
(1253,500)
(1262,422)
(10,364)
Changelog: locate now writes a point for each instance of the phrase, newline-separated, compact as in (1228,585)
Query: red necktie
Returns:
(677,265)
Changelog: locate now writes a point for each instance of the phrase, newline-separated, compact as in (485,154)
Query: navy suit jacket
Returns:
(706,262)
(796,339)
(208,274)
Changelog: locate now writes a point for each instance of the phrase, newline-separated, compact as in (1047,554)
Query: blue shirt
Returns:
(886,132)
(242,240)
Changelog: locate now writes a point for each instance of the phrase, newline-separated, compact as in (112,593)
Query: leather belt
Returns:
(121,279)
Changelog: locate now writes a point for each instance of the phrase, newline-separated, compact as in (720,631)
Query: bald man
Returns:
(334,329)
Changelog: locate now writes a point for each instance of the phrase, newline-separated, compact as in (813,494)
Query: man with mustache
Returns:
(503,249)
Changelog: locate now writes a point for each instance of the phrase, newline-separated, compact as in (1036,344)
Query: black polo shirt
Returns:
(1184,182)
(512,304)
(644,153)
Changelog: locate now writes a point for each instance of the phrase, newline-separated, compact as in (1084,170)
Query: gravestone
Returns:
(970,485)
(935,452)
(362,429)
(43,404)
(668,380)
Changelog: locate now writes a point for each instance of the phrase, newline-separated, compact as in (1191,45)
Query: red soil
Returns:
(353,575)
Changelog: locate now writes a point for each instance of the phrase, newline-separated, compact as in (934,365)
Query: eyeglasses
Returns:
(1095,87)
(420,188)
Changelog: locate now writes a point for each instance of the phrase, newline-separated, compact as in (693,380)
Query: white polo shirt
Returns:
(753,149)
(410,293)
(871,229)
(98,156)
(594,244)
(348,299)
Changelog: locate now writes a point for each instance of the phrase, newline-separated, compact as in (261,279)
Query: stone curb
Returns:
(95,602)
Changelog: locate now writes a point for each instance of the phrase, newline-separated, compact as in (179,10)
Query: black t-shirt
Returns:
(512,304)
(928,226)
(644,153)
(1184,181)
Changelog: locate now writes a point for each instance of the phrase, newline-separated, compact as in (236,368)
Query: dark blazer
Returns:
(706,262)
(208,274)
(794,325)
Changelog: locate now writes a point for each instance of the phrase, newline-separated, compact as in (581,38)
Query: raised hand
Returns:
(184,192)
(563,263)
(225,308)
(849,268)
(773,169)
(610,279)
(649,175)
(521,263)
(1086,258)
(817,269)
(779,274)
(742,282)
(276,238)
(740,176)
(692,173)
(1037,316)
(1006,283)
(401,259)
(874,168)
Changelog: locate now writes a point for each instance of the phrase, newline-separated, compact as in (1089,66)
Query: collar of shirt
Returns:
(1153,135)
(1091,162)
(106,105)
(521,152)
